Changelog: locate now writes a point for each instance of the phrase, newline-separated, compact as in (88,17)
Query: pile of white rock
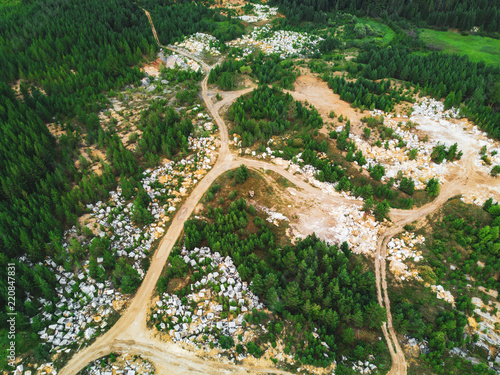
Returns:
(90,302)
(200,43)
(83,303)
(205,147)
(478,197)
(413,342)
(487,330)
(401,249)
(396,159)
(44,368)
(116,215)
(309,174)
(285,43)
(404,248)
(202,314)
(205,121)
(364,367)
(260,13)
(125,364)
(272,216)
(441,293)
(182,62)
(356,227)
(468,137)
(346,223)
(307,171)
(150,83)
(492,151)
(267,154)
(128,240)
(434,109)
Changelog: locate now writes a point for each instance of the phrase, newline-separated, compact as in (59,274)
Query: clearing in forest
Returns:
(316,92)
(478,48)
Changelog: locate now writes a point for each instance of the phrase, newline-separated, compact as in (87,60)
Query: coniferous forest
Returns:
(456,13)
(68,56)
(175,19)
(73,71)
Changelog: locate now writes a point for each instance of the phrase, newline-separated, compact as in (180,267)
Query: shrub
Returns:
(133,137)
(367,132)
(439,153)
(432,187)
(407,185)
(495,171)
(377,172)
(241,174)
(254,349)
(226,342)
(413,154)
(382,210)
(428,274)
(368,204)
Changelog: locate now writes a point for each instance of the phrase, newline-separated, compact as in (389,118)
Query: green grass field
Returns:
(478,48)
(387,33)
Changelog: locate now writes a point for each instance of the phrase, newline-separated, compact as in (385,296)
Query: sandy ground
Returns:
(153,68)
(55,130)
(316,92)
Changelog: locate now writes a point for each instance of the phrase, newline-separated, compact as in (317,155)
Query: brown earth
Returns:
(153,68)
(315,91)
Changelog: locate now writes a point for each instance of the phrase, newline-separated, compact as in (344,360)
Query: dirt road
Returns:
(130,333)
(152,27)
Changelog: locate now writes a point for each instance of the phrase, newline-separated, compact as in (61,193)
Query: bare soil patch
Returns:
(90,222)
(153,68)
(16,86)
(55,130)
(316,92)
(178,283)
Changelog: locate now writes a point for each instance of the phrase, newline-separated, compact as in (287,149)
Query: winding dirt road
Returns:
(130,333)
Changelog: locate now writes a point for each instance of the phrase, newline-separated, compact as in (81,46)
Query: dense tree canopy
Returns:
(265,68)
(67,55)
(267,112)
(175,19)
(461,14)
(74,50)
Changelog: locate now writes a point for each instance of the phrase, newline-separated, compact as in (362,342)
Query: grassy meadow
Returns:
(478,48)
